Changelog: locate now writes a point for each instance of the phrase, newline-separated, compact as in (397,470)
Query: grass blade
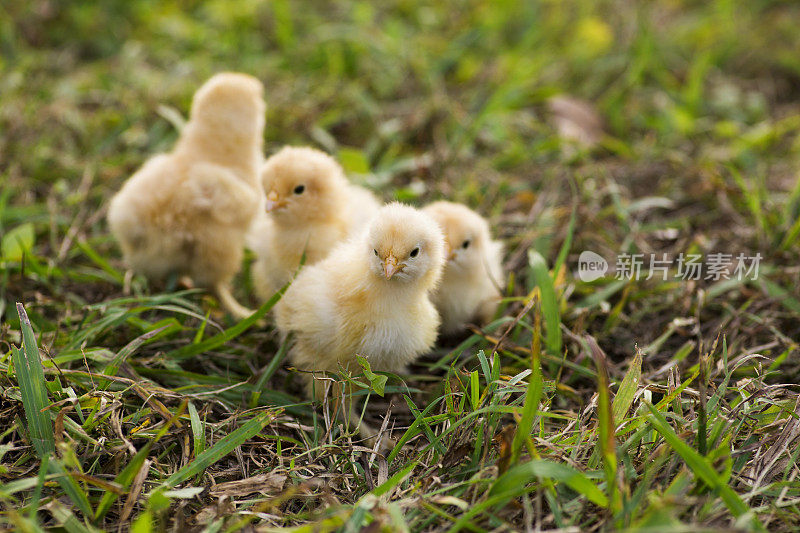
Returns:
(197,430)
(112,367)
(773,290)
(700,466)
(532,395)
(222,448)
(30,376)
(269,371)
(562,254)
(71,487)
(100,261)
(33,506)
(124,478)
(128,474)
(513,482)
(606,444)
(413,430)
(395,480)
(67,519)
(190,350)
(552,322)
(627,389)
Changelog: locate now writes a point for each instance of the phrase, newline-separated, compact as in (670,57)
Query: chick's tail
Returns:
(229,302)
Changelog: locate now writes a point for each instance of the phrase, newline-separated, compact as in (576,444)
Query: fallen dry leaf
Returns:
(264,483)
(576,120)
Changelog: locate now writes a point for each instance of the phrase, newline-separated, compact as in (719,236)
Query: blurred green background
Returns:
(82,82)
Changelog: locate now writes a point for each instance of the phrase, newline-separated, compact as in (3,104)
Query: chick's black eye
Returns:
(376,252)
(466,243)
(299,189)
(414,252)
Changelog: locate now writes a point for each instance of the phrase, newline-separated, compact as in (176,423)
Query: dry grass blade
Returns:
(135,490)
(124,479)
(268,484)
(576,120)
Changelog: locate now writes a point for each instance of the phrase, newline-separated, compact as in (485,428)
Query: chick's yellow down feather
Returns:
(186,212)
(369,297)
(472,274)
(310,207)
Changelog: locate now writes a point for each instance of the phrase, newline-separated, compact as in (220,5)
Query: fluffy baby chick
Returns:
(310,206)
(369,297)
(472,274)
(186,212)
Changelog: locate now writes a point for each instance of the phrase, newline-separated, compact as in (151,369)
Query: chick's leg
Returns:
(126,282)
(229,302)
(340,392)
(487,309)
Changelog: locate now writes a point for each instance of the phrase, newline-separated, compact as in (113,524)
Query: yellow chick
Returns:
(469,288)
(310,207)
(186,212)
(369,297)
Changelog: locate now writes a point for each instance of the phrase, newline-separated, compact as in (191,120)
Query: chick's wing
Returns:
(219,193)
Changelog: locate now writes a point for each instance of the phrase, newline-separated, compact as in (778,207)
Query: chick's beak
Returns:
(274,202)
(449,253)
(391,267)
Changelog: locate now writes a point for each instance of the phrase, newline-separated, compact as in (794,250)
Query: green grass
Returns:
(646,405)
